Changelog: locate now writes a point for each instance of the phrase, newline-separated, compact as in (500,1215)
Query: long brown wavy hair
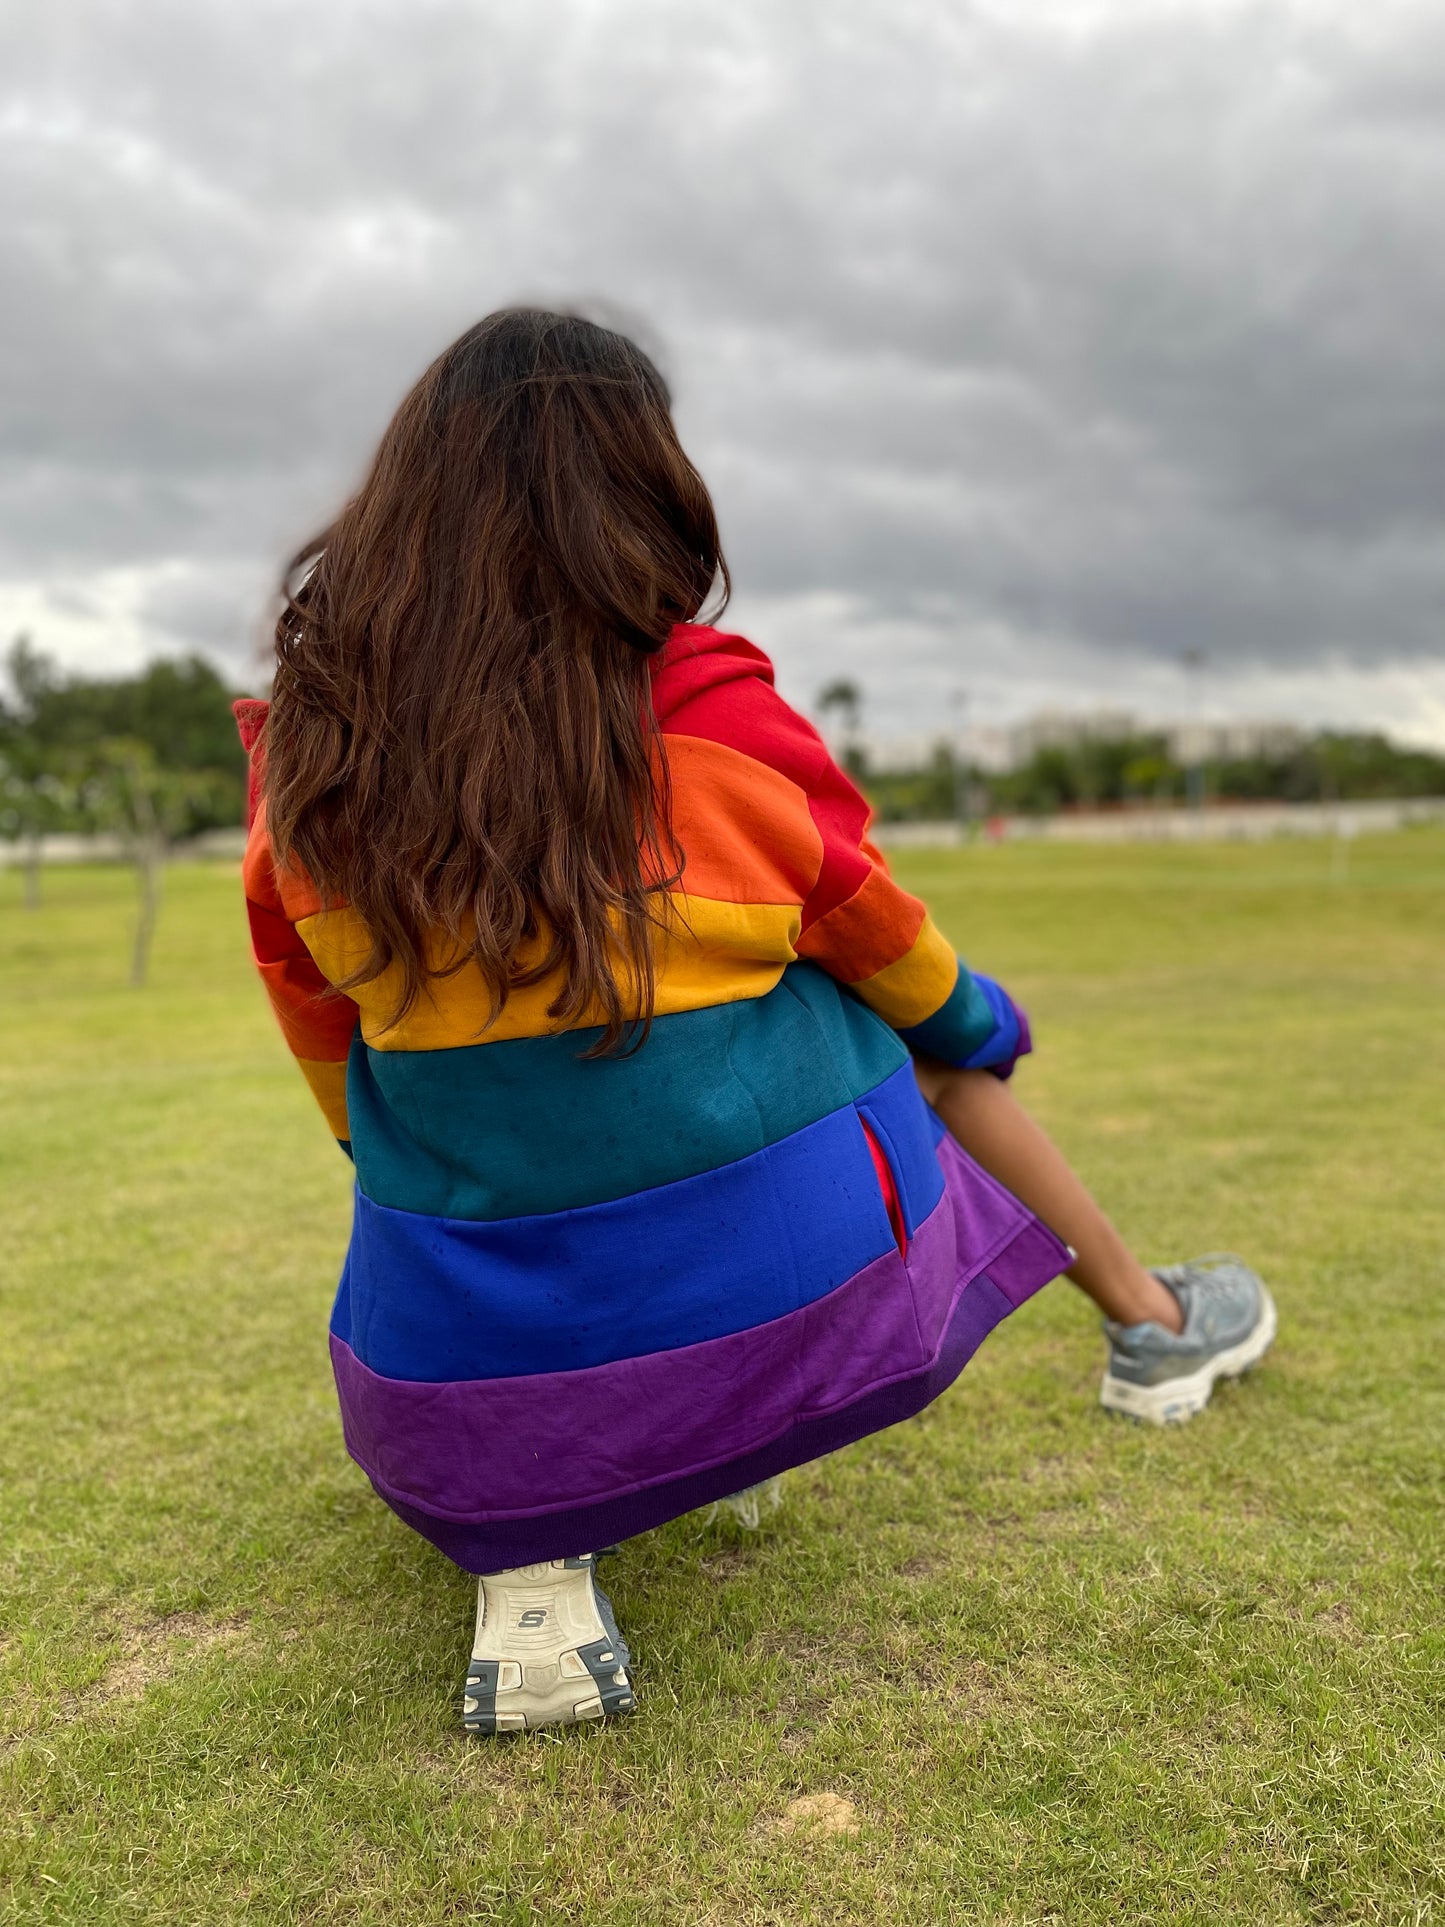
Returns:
(461,739)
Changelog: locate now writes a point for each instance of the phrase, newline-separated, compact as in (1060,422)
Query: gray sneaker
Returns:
(1229,1325)
(546,1650)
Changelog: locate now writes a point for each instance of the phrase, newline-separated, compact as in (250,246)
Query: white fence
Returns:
(1213,823)
(225,844)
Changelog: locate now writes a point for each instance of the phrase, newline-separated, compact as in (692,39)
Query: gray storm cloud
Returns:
(1031,345)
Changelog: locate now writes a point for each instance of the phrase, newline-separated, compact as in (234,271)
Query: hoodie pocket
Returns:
(887,1186)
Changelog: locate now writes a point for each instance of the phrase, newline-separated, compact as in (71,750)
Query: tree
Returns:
(37,797)
(60,767)
(179,709)
(1151,773)
(128,791)
(845,698)
(37,778)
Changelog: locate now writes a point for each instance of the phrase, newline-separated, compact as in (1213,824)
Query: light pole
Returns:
(960,769)
(1195,662)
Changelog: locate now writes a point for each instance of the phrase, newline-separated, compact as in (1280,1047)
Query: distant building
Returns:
(981,745)
(1188,742)
(995,748)
(1231,742)
(1066,728)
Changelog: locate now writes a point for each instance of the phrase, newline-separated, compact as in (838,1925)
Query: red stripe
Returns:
(250,714)
(888,1185)
(720,687)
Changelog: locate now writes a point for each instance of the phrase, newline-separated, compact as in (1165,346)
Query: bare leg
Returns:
(993,1127)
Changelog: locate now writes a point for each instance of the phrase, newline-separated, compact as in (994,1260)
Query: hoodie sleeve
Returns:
(317,1021)
(871,934)
(857,922)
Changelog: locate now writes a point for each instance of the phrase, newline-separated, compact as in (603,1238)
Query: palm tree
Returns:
(844,699)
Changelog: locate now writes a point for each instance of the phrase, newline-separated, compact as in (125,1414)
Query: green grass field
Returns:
(1062,1668)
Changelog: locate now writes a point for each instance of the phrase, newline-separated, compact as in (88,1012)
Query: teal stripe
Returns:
(527,1125)
(962,1024)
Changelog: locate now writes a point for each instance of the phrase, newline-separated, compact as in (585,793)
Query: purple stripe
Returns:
(491,1455)
(564,1535)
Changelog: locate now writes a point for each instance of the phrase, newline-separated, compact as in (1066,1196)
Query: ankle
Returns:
(1154,1303)
(1128,1294)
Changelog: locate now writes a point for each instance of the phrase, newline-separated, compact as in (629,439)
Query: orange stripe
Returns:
(291,894)
(746,831)
(917,985)
(316,1022)
(877,926)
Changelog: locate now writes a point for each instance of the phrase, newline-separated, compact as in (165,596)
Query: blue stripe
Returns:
(435,1299)
(903,1125)
(1003,1046)
(962,1024)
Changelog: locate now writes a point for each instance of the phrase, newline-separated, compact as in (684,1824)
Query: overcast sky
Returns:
(1025,345)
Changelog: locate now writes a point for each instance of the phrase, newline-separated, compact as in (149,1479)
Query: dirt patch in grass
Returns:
(816,1813)
(825,1681)
(147,1655)
(971,1688)
(923,1565)
(727,1561)
(152,1653)
(1337,1622)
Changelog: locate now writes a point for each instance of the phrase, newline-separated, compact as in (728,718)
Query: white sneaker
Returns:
(546,1650)
(749,1505)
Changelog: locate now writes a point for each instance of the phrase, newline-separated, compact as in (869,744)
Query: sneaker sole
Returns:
(522,1676)
(1178,1399)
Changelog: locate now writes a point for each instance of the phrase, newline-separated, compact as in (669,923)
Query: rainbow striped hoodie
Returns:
(583,1296)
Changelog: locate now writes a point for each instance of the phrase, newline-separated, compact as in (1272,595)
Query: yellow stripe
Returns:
(710,953)
(920,983)
(328,1087)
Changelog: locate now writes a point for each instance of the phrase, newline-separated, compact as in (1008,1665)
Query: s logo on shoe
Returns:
(533,1618)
